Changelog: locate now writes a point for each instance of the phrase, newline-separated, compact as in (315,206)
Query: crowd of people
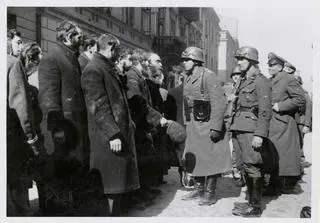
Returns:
(99,131)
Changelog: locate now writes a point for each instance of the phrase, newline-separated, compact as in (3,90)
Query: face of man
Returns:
(289,70)
(126,62)
(274,68)
(188,64)
(76,40)
(93,49)
(16,45)
(155,61)
(243,63)
(235,78)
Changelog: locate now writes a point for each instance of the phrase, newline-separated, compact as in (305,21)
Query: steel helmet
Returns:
(236,70)
(249,53)
(193,53)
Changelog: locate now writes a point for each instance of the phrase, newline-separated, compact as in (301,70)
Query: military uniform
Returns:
(252,118)
(207,152)
(250,125)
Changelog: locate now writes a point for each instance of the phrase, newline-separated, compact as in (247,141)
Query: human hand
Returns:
(215,135)
(257,142)
(306,129)
(275,107)
(115,145)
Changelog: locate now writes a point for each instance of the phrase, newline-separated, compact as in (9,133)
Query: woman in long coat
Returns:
(207,153)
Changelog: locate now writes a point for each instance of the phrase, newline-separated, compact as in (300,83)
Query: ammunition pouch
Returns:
(201,110)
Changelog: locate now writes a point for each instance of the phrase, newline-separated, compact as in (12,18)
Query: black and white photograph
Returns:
(172,111)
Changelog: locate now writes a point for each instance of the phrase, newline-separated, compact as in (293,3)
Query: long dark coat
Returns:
(83,61)
(109,118)
(283,133)
(61,98)
(18,105)
(144,116)
(209,158)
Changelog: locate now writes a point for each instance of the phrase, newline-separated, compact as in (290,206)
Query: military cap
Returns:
(275,59)
(193,53)
(248,52)
(176,132)
(290,66)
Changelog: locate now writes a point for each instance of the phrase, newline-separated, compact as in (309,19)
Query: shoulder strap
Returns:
(202,85)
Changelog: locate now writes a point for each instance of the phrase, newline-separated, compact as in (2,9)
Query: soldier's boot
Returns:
(239,206)
(241,182)
(255,208)
(198,192)
(273,188)
(209,196)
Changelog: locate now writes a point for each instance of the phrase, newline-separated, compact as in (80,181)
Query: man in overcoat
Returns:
(60,96)
(111,128)
(304,115)
(287,98)
(23,135)
(250,127)
(145,118)
(90,46)
(207,152)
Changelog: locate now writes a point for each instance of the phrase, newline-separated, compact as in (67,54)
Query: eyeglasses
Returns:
(186,59)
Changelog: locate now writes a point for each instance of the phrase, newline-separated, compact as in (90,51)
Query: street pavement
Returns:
(169,203)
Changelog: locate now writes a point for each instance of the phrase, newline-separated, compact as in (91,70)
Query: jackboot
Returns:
(198,192)
(255,208)
(240,206)
(210,191)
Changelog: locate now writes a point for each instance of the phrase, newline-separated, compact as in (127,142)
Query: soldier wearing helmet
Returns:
(250,126)
(236,73)
(207,153)
(287,98)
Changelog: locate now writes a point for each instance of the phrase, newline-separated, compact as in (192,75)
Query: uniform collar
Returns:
(278,77)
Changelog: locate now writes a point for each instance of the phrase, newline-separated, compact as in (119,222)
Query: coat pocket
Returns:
(201,110)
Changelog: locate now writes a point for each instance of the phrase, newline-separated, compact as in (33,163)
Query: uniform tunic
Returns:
(252,118)
(284,134)
(202,155)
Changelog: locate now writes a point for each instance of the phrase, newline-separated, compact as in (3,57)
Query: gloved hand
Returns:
(257,142)
(215,135)
(59,137)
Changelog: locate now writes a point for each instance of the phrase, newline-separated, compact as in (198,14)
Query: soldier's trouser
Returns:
(17,199)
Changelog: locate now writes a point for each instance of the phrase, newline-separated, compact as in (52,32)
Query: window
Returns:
(145,19)
(173,27)
(11,21)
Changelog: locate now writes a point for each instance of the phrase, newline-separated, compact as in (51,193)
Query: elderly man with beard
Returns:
(23,134)
(62,104)
(158,98)
(144,116)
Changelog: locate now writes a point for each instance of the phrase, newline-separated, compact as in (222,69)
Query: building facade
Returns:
(227,48)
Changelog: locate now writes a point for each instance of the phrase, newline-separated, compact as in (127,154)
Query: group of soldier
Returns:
(97,131)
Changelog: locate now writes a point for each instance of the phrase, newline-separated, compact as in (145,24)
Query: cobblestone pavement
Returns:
(169,203)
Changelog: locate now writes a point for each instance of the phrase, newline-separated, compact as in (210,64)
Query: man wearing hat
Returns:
(207,153)
(287,98)
(304,120)
(304,115)
(289,68)
(250,127)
